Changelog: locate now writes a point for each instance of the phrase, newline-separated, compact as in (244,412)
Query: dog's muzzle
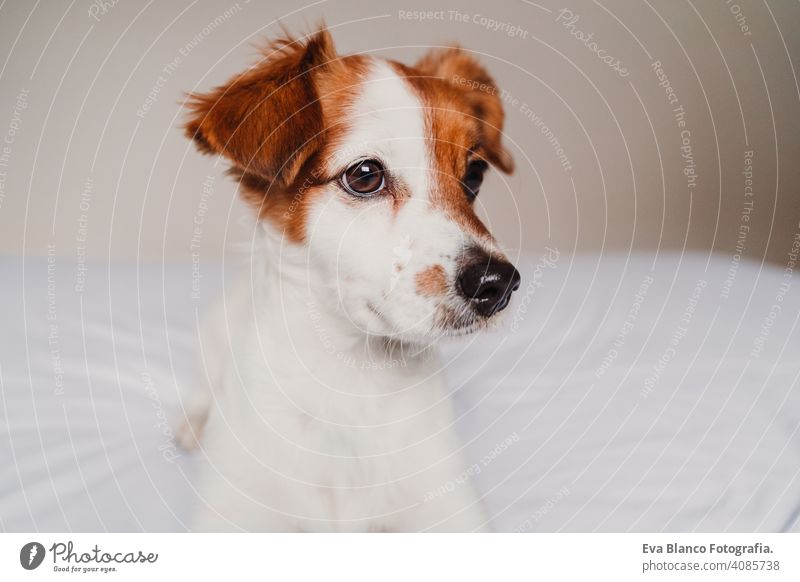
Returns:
(487,282)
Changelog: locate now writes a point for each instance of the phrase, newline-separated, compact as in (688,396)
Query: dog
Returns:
(326,408)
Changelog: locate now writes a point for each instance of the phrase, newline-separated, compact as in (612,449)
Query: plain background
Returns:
(90,174)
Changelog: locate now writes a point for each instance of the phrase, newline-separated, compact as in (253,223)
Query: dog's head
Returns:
(373,168)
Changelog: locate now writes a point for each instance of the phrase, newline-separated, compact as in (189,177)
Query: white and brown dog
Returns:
(328,410)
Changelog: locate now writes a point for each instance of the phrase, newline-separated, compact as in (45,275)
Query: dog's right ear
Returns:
(481,92)
(267,120)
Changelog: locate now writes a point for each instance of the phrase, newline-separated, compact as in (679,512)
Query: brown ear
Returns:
(463,71)
(267,120)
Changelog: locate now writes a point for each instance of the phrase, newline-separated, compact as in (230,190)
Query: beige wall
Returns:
(85,168)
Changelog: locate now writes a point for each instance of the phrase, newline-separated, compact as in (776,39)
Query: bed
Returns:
(624,392)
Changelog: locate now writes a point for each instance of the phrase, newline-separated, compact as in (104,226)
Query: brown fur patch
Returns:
(458,69)
(461,123)
(267,120)
(277,122)
(432,282)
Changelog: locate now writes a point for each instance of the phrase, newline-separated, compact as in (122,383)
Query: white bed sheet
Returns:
(557,439)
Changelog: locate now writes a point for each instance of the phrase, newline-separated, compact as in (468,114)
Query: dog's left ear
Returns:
(268,120)
(455,66)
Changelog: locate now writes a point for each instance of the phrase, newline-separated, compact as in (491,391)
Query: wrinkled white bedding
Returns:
(635,392)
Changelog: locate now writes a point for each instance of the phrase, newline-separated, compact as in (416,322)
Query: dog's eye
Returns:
(474,178)
(364,178)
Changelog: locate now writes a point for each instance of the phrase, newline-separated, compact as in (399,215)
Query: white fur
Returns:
(329,412)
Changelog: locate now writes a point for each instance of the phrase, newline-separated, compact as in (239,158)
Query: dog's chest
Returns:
(355,425)
(358,412)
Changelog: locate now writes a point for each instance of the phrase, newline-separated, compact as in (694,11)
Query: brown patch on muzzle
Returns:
(432,282)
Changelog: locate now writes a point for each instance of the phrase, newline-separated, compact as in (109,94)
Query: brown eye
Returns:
(474,178)
(364,178)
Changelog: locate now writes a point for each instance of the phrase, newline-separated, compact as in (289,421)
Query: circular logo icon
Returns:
(31,555)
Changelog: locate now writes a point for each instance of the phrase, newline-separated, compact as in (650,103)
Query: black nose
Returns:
(488,283)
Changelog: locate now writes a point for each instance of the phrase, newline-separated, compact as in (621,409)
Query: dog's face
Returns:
(373,168)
